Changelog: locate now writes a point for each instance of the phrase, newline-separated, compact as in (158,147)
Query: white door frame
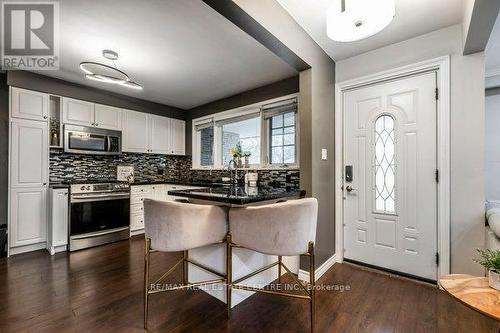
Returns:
(442,66)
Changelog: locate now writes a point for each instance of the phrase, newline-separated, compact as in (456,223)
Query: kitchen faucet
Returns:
(233,179)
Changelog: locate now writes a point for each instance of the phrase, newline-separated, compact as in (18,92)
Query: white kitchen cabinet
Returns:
(27,104)
(160,135)
(29,153)
(135,134)
(78,112)
(58,221)
(108,117)
(28,216)
(178,134)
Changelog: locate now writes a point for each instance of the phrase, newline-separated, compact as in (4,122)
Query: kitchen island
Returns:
(244,261)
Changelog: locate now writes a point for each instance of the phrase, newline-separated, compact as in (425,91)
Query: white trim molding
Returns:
(304,275)
(442,66)
(490,72)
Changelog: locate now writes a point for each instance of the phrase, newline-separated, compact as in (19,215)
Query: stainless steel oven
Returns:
(91,140)
(99,214)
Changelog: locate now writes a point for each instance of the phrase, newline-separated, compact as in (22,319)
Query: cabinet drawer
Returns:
(136,222)
(137,199)
(141,190)
(137,209)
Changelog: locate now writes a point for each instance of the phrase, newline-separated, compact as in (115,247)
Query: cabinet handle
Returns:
(96,124)
(44,184)
(44,117)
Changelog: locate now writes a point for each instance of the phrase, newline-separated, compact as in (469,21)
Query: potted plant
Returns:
(490,259)
(237,154)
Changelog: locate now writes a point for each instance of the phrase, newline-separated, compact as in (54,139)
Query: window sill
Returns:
(291,167)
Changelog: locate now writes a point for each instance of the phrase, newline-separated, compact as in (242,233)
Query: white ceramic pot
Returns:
(494,280)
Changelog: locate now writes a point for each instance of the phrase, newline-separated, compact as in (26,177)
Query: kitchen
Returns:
(202,150)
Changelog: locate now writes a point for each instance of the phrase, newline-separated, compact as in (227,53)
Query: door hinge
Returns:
(437,94)
(437,258)
(437,176)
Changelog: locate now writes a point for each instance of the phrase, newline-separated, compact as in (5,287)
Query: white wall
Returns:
(493,148)
(467,129)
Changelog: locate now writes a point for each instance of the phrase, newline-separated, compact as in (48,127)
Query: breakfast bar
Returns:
(244,261)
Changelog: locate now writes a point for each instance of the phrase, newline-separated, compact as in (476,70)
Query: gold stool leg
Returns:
(280,259)
(147,248)
(312,283)
(229,273)
(185,269)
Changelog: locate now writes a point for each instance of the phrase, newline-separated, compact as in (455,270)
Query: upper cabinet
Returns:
(135,135)
(178,134)
(27,104)
(78,112)
(108,117)
(145,133)
(159,142)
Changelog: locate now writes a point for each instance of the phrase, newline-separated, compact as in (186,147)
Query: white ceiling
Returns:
(413,18)
(183,52)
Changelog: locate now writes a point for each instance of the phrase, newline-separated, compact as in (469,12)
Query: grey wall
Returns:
(33,81)
(467,129)
(317,94)
(273,90)
(492,158)
(4,147)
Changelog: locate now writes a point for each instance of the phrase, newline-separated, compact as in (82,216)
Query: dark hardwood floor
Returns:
(100,290)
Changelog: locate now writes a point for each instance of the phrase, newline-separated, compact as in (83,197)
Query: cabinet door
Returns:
(27,104)
(59,217)
(28,216)
(159,192)
(29,153)
(108,117)
(78,112)
(136,222)
(135,132)
(178,145)
(160,134)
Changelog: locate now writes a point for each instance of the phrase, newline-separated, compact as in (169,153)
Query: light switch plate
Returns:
(324,154)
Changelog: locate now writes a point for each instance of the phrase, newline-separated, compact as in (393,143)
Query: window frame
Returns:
(270,146)
(265,136)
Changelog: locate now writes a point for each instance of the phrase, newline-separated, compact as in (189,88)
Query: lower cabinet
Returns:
(28,219)
(58,221)
(140,192)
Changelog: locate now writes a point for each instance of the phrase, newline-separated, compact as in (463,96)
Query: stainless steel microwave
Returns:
(91,140)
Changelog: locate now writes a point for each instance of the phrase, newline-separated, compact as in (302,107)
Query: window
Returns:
(282,129)
(244,131)
(268,133)
(282,134)
(205,143)
(385,168)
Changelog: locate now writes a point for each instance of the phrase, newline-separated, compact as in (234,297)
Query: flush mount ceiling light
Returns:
(352,20)
(107,74)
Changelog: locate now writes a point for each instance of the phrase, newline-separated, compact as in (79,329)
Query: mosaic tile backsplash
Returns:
(66,167)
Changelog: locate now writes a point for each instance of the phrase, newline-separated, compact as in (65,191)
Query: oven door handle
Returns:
(99,233)
(101,197)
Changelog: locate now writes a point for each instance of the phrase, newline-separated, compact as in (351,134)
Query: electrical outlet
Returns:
(324,154)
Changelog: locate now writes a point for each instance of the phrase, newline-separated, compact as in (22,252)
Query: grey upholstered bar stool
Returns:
(178,226)
(280,229)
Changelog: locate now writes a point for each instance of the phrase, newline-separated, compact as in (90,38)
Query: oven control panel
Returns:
(101,187)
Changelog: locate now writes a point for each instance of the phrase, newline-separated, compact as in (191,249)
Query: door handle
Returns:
(349,188)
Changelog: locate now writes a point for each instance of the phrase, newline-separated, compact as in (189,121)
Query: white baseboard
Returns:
(27,248)
(136,232)
(304,275)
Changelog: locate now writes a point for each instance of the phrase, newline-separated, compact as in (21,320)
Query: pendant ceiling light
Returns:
(107,74)
(351,20)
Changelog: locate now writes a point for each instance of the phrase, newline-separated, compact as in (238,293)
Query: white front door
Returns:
(390,200)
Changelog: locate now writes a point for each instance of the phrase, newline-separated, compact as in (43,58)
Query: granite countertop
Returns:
(239,195)
(68,183)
